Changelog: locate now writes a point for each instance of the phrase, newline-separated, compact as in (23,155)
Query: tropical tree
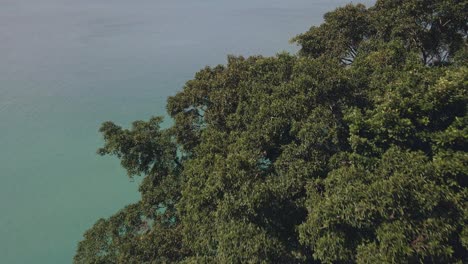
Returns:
(351,151)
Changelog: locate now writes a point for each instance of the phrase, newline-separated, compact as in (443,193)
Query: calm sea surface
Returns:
(68,65)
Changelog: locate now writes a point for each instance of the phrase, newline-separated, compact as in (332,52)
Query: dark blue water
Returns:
(68,65)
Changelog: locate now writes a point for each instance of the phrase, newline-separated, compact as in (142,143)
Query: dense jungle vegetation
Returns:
(354,150)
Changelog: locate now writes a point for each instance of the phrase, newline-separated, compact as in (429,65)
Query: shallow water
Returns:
(66,66)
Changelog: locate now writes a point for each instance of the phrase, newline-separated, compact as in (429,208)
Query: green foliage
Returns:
(341,34)
(436,29)
(143,149)
(131,237)
(352,151)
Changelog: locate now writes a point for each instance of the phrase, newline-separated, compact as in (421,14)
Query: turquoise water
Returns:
(66,66)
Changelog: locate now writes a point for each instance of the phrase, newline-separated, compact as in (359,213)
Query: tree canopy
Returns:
(351,151)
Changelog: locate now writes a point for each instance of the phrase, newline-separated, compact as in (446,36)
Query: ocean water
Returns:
(68,65)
